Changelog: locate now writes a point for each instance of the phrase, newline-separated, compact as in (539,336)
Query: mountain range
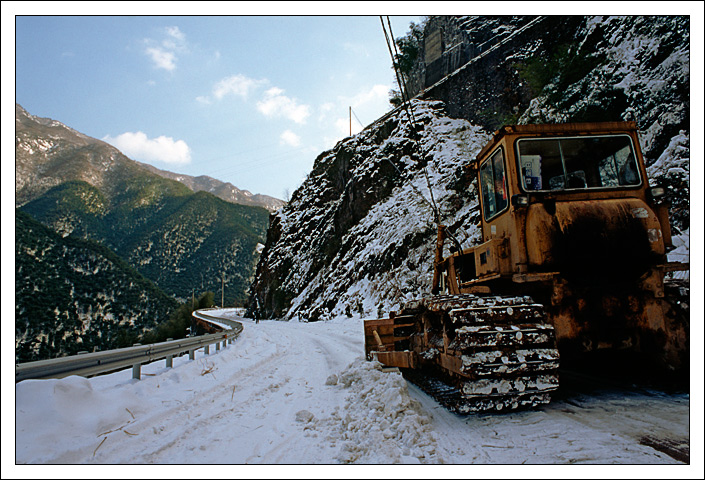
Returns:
(49,153)
(223,190)
(177,235)
(180,239)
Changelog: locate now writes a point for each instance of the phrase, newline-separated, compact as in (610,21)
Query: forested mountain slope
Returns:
(179,239)
(76,295)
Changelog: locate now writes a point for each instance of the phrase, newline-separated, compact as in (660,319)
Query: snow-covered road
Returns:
(301,393)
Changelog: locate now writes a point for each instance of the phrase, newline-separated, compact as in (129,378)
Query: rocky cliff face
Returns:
(357,237)
(358,233)
(568,69)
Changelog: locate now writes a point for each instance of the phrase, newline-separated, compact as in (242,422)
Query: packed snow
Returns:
(302,393)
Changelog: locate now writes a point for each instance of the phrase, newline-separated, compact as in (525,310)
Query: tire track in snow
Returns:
(600,429)
(244,405)
(180,427)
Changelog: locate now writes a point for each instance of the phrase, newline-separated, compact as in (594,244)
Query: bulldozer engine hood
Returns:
(593,240)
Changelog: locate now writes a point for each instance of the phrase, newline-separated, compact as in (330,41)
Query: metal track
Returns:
(507,355)
(452,398)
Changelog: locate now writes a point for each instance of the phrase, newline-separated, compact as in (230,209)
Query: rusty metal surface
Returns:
(594,238)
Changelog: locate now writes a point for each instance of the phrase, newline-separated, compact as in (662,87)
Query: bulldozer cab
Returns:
(550,194)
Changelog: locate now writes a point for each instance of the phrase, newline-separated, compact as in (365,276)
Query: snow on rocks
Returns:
(381,259)
(681,254)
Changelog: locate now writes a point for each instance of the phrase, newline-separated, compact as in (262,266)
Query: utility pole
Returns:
(222,292)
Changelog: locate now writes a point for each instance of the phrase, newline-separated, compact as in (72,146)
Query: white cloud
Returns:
(324,109)
(164,54)
(377,94)
(358,49)
(290,138)
(276,104)
(238,85)
(175,33)
(343,126)
(366,108)
(162,58)
(136,145)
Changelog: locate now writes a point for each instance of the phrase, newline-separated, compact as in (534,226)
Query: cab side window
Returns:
(493,183)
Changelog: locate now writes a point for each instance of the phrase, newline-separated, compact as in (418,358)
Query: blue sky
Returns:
(246,99)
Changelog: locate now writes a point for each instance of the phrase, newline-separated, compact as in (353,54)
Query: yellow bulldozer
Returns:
(572,262)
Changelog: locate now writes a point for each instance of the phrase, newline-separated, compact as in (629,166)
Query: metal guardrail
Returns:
(209,318)
(89,364)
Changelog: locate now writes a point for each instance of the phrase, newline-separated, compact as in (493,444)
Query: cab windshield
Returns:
(577,163)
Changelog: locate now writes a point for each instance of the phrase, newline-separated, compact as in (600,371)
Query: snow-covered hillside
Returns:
(297,393)
(358,235)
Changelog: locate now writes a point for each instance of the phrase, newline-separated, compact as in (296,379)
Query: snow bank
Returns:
(69,413)
(379,422)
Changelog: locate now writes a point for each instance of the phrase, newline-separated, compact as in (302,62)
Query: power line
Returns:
(355,115)
(406,103)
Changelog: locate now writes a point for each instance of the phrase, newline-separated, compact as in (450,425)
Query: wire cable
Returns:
(406,103)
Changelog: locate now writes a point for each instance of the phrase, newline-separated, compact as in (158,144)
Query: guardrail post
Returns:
(206,349)
(169,358)
(137,367)
(217,345)
(192,354)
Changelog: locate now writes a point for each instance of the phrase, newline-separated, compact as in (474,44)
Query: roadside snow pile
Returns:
(70,413)
(291,394)
(379,422)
